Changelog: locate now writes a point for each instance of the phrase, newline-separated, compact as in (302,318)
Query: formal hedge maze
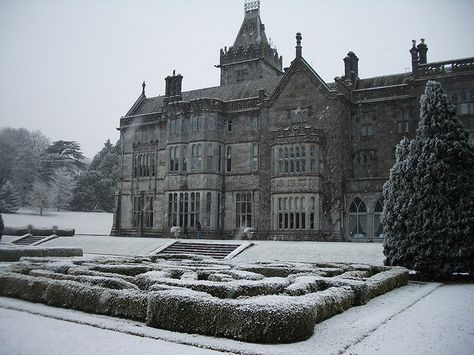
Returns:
(258,302)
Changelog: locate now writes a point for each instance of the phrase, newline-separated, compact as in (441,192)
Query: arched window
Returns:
(358,219)
(378,227)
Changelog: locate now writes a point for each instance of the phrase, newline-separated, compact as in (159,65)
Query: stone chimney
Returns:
(173,88)
(298,45)
(351,67)
(422,49)
(414,56)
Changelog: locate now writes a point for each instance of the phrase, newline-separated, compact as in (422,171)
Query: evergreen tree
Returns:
(20,162)
(429,197)
(94,189)
(25,171)
(9,198)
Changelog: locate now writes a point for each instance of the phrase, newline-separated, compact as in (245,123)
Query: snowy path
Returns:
(441,323)
(26,333)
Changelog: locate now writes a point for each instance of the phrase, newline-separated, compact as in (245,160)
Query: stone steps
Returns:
(28,240)
(215,250)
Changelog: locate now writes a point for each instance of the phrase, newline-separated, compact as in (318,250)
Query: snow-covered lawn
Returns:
(109,245)
(369,253)
(83,222)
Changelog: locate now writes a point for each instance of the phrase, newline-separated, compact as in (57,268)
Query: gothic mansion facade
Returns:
(278,150)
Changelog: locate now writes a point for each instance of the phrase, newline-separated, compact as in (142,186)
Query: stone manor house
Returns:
(272,148)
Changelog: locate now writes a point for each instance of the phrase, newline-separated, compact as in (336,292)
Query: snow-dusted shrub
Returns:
(70,294)
(81,270)
(123,269)
(310,284)
(22,286)
(429,198)
(205,297)
(275,269)
(243,275)
(271,319)
(15,253)
(147,279)
(387,280)
(231,289)
(107,282)
(330,302)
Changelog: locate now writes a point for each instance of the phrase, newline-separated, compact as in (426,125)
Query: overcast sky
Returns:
(72,68)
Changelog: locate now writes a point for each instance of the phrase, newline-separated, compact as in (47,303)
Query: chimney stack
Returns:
(298,45)
(422,49)
(414,56)
(173,88)
(351,67)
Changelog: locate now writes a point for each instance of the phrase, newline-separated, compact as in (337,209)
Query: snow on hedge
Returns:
(14,253)
(259,302)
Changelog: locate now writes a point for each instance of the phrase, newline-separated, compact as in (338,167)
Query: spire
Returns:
(298,45)
(251,57)
(252,30)
(143,87)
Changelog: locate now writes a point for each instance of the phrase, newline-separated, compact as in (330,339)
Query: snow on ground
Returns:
(101,223)
(415,319)
(420,318)
(51,336)
(369,253)
(109,245)
(441,323)
(83,222)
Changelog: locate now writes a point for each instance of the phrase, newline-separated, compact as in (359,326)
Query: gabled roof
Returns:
(243,90)
(298,62)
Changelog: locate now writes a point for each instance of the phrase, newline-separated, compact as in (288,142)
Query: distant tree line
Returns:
(36,172)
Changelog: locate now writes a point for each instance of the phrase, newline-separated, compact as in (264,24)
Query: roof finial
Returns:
(251,5)
(143,87)
(298,44)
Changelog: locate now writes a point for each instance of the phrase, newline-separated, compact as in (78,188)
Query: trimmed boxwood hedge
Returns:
(197,296)
(70,294)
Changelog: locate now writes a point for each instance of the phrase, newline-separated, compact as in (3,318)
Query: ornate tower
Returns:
(251,57)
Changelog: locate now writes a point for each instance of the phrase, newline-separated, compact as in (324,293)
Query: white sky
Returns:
(73,68)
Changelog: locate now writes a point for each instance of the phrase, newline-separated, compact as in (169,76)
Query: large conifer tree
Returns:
(429,197)
(9,198)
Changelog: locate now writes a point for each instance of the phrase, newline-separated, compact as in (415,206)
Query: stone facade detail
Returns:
(282,152)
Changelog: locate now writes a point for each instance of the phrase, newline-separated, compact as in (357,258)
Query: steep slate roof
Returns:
(380,81)
(238,91)
(251,31)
